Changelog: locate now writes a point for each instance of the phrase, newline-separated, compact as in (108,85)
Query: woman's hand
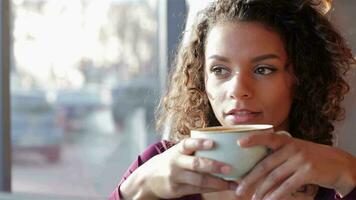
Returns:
(295,163)
(177,172)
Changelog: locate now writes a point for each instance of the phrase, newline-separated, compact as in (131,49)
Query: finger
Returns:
(202,165)
(185,189)
(271,162)
(276,177)
(287,187)
(204,181)
(272,141)
(189,145)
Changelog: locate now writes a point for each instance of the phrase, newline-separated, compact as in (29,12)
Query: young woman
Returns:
(253,62)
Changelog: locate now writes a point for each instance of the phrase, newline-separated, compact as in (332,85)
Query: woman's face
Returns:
(247,79)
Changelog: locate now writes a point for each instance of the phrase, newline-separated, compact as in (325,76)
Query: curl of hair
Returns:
(318,54)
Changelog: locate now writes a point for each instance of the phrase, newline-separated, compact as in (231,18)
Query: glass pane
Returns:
(84,83)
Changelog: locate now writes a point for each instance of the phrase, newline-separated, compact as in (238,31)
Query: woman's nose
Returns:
(240,87)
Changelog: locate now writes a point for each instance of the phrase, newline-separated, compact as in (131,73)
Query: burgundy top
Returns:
(159,147)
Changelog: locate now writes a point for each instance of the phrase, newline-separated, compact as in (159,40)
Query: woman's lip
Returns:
(243,117)
(240,111)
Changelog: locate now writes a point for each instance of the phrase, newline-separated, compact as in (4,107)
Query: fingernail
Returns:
(254,197)
(208,144)
(238,142)
(242,142)
(225,169)
(239,191)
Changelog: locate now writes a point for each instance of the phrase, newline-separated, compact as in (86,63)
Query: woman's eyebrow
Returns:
(256,59)
(265,57)
(217,57)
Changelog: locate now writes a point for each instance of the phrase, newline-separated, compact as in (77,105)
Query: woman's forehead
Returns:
(243,37)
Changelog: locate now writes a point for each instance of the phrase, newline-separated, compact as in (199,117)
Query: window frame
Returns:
(5,135)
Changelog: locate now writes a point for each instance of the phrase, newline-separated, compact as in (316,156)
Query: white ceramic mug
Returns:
(226,150)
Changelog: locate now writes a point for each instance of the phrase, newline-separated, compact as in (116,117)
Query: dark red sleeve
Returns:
(150,152)
(330,194)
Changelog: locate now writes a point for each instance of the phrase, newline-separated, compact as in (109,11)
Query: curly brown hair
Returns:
(319,55)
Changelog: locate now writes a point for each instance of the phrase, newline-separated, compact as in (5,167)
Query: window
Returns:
(83,88)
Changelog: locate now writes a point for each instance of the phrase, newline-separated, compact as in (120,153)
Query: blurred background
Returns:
(85,77)
(84,83)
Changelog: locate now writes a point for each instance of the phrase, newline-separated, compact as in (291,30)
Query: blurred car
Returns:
(34,124)
(128,96)
(75,106)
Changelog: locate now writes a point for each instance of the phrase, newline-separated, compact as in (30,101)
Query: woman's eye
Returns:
(265,70)
(219,71)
